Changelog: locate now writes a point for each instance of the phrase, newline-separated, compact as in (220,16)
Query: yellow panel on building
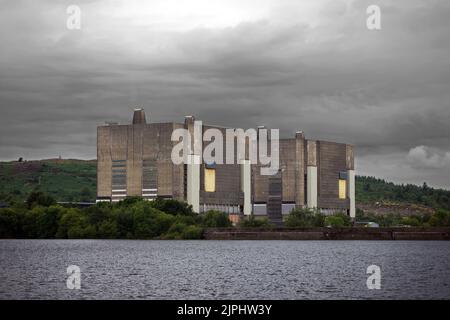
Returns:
(342,189)
(210,180)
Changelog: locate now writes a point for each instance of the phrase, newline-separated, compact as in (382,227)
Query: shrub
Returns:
(305,218)
(215,219)
(334,221)
(441,218)
(192,232)
(253,222)
(175,231)
(341,216)
(411,221)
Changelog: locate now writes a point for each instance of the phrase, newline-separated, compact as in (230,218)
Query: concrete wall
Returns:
(288,169)
(228,178)
(103,162)
(134,144)
(331,161)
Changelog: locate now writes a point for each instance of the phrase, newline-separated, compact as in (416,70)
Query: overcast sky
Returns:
(294,65)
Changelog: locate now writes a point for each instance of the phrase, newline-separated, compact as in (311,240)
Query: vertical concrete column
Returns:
(193,162)
(311,199)
(351,192)
(350,159)
(193,182)
(195,129)
(311,174)
(246,185)
(299,169)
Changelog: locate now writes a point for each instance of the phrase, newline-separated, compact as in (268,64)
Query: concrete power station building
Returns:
(135,160)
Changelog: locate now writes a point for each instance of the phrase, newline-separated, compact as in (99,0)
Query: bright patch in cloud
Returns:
(424,157)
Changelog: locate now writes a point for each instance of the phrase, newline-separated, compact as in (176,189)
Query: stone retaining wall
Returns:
(327,234)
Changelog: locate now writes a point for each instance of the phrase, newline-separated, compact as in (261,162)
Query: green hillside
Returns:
(75,180)
(65,180)
(371,190)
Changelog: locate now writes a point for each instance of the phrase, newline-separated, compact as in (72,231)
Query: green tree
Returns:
(38,198)
(125,224)
(149,222)
(86,194)
(10,223)
(107,230)
(173,207)
(74,224)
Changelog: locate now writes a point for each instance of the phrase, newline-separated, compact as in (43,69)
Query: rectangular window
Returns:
(342,189)
(119,175)
(149,174)
(210,180)
(343,175)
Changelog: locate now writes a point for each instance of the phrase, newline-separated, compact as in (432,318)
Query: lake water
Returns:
(127,269)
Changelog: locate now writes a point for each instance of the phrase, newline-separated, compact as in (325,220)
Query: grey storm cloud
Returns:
(308,65)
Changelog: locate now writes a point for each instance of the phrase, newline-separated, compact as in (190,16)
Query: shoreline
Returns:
(350,233)
(316,233)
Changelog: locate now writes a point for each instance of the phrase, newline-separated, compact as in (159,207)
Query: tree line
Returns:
(371,189)
(133,218)
(40,217)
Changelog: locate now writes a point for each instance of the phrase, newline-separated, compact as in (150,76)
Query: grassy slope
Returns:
(75,180)
(65,180)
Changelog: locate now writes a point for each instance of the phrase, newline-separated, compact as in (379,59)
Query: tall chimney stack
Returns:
(139,116)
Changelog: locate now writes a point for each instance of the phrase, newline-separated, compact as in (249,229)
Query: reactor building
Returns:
(135,160)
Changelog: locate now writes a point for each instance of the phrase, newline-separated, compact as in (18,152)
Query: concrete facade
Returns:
(135,160)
